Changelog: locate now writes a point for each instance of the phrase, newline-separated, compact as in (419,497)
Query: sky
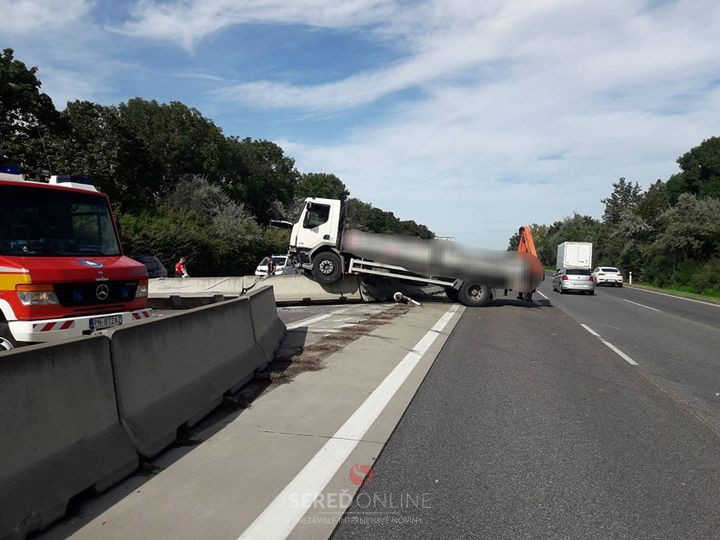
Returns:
(471,116)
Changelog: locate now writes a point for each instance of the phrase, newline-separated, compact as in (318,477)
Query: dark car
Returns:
(155,268)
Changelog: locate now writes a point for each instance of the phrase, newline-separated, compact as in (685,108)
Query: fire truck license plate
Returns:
(98,323)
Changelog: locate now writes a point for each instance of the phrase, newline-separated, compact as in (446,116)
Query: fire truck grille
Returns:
(96,293)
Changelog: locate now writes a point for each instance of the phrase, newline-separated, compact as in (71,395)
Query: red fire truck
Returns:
(62,270)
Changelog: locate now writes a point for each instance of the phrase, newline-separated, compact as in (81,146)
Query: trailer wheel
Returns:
(452,294)
(473,294)
(7,342)
(327,267)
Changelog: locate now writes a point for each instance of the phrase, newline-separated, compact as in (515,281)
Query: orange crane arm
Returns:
(526,244)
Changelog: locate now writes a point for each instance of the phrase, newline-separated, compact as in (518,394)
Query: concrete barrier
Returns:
(294,289)
(269,329)
(186,300)
(174,370)
(59,431)
(178,293)
(228,286)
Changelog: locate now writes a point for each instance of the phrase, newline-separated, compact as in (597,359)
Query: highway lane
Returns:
(676,343)
(529,426)
(691,310)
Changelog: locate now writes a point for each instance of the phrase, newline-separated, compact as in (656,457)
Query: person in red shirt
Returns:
(270,265)
(181,269)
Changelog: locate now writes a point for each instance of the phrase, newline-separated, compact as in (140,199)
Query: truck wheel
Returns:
(7,342)
(473,294)
(326,268)
(452,294)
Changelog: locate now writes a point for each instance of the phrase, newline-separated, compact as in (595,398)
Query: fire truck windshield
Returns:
(36,222)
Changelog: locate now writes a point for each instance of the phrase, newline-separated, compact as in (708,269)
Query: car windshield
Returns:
(54,223)
(577,272)
(613,270)
(280,261)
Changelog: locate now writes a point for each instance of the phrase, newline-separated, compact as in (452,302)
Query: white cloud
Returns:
(613,90)
(601,47)
(521,110)
(64,85)
(39,15)
(188,21)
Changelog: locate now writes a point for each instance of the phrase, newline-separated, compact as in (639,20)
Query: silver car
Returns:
(574,279)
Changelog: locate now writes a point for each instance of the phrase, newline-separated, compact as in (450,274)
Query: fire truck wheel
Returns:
(473,294)
(327,267)
(6,340)
(452,294)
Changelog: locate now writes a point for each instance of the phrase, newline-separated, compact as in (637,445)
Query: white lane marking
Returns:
(541,294)
(285,511)
(610,345)
(313,320)
(593,332)
(308,322)
(641,305)
(673,296)
(620,353)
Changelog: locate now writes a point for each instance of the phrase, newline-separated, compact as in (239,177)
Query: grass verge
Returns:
(683,294)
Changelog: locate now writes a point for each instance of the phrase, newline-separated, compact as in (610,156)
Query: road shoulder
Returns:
(218,488)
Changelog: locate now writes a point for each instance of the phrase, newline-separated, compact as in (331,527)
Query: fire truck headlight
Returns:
(36,295)
(142,290)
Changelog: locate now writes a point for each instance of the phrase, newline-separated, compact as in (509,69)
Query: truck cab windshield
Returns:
(54,223)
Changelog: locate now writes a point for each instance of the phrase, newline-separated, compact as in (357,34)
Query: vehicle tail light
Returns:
(591,278)
(36,295)
(565,278)
(142,289)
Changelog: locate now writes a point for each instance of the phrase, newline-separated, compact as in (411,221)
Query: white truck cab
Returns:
(319,224)
(316,238)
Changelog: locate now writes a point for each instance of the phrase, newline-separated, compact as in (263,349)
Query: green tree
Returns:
(179,138)
(700,171)
(625,196)
(327,186)
(691,229)
(365,217)
(27,115)
(653,203)
(260,175)
(98,145)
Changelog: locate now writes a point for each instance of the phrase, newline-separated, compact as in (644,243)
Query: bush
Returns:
(684,270)
(706,280)
(200,222)
(213,247)
(658,271)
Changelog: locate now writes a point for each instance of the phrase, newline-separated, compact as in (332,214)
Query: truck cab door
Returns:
(318,225)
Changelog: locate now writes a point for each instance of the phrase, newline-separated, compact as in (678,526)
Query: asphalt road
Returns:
(528,425)
(676,342)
